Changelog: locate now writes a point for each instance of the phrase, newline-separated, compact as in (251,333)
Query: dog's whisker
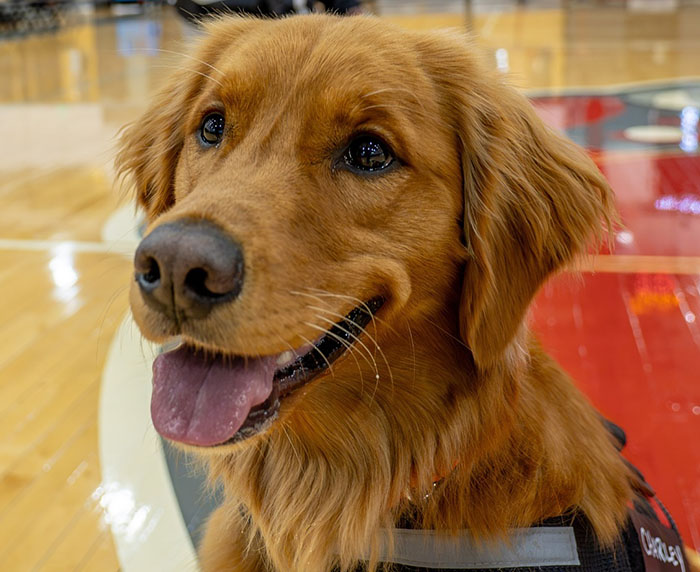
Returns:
(330,367)
(320,294)
(286,343)
(182,54)
(285,428)
(357,300)
(353,336)
(387,106)
(401,90)
(371,362)
(444,331)
(103,318)
(413,347)
(352,351)
(356,338)
(342,317)
(163,66)
(366,309)
(379,349)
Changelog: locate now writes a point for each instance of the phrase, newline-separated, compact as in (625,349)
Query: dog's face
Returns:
(308,178)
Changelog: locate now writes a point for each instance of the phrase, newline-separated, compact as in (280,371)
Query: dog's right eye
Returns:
(368,154)
(211,131)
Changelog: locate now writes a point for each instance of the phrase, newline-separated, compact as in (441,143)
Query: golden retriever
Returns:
(347,223)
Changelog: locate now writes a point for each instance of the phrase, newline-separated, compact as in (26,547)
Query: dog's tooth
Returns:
(285,357)
(171,344)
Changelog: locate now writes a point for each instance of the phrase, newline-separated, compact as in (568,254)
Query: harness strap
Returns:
(524,547)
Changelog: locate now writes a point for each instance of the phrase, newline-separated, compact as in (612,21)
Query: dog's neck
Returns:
(511,452)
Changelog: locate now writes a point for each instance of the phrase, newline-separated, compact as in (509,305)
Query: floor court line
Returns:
(631,264)
(124,247)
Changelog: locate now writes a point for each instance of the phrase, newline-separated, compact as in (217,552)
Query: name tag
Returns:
(661,546)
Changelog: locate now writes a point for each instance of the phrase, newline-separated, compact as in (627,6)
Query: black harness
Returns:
(626,556)
(646,543)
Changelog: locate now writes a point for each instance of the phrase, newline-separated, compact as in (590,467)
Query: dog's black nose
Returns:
(185,267)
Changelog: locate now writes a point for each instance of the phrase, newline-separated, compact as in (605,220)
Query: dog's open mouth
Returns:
(208,399)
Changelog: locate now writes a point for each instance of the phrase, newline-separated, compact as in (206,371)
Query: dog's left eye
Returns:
(368,153)
(211,131)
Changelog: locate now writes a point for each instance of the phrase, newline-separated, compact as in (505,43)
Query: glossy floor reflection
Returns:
(631,336)
(629,333)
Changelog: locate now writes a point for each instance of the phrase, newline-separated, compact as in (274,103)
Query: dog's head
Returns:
(318,186)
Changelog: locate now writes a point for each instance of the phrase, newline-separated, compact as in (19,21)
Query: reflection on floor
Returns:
(628,333)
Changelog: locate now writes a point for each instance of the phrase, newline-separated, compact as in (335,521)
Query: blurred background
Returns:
(84,482)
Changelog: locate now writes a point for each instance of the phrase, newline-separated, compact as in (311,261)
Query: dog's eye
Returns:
(368,153)
(212,129)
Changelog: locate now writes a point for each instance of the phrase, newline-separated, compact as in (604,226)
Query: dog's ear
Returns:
(533,200)
(149,148)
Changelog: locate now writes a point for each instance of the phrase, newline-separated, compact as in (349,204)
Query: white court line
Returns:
(136,493)
(119,236)
(124,247)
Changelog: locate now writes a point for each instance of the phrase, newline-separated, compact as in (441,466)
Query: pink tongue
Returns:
(202,400)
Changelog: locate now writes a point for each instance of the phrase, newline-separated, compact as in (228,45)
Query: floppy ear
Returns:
(532,199)
(149,148)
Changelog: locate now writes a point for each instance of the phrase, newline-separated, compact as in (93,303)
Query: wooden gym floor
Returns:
(627,85)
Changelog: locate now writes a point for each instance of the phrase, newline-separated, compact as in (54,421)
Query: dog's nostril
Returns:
(148,274)
(152,274)
(196,282)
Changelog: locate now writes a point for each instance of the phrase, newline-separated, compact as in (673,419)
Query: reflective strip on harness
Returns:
(537,546)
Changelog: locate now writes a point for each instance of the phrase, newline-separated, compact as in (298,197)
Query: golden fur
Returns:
(487,202)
